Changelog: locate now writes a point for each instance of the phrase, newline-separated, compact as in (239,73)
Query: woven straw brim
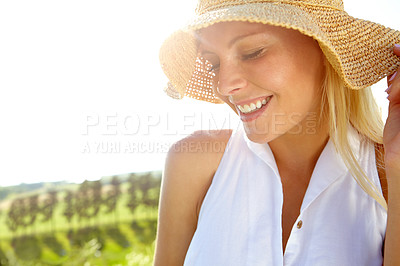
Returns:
(360,51)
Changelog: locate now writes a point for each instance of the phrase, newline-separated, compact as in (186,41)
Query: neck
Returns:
(298,153)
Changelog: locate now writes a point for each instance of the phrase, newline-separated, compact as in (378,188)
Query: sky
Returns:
(81,87)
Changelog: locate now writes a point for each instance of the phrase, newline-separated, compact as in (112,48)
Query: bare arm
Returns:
(392,240)
(190,166)
(391,141)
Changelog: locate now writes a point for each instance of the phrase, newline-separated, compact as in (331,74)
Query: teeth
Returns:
(252,107)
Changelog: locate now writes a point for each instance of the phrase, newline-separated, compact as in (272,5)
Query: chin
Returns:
(260,138)
(261,132)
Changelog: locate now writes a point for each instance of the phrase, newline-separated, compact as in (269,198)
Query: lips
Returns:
(251,107)
(252,111)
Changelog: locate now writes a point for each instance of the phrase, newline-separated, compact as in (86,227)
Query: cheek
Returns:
(304,82)
(293,68)
(274,73)
(311,66)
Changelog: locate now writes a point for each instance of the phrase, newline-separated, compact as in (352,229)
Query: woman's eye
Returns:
(214,67)
(210,66)
(253,55)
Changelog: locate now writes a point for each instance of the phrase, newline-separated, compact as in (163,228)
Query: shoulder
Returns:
(199,153)
(193,160)
(189,168)
(201,144)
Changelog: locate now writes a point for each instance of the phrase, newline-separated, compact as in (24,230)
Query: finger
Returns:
(394,76)
(394,89)
(396,49)
(392,79)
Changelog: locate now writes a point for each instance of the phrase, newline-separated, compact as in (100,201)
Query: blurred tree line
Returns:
(23,188)
(85,203)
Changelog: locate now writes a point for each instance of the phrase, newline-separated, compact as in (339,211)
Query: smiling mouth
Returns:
(254,110)
(253,107)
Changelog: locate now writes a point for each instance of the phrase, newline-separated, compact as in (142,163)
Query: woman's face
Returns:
(271,76)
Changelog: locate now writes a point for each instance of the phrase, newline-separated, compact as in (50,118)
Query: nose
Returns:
(231,79)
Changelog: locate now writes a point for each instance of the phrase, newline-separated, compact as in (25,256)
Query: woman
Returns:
(298,184)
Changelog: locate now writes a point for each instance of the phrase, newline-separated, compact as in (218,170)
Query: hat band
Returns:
(210,5)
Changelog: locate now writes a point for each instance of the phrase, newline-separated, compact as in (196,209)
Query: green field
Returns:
(123,236)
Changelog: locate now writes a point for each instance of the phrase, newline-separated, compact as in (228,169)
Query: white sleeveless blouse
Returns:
(240,218)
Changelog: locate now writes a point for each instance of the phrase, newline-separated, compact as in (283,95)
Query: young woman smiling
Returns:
(302,181)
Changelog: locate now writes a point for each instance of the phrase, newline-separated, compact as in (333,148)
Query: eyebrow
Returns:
(240,37)
(234,40)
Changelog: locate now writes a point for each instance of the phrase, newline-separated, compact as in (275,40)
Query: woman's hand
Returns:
(391,134)
(391,142)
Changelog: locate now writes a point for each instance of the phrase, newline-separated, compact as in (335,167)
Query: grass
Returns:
(126,243)
(118,238)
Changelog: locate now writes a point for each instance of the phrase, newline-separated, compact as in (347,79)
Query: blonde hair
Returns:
(341,106)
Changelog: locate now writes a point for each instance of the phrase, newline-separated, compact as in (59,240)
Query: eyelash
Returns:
(253,55)
(250,56)
(210,67)
(213,68)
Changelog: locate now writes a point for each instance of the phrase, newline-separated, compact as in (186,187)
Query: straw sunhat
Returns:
(360,51)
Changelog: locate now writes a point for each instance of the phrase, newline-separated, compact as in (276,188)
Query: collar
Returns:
(329,167)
